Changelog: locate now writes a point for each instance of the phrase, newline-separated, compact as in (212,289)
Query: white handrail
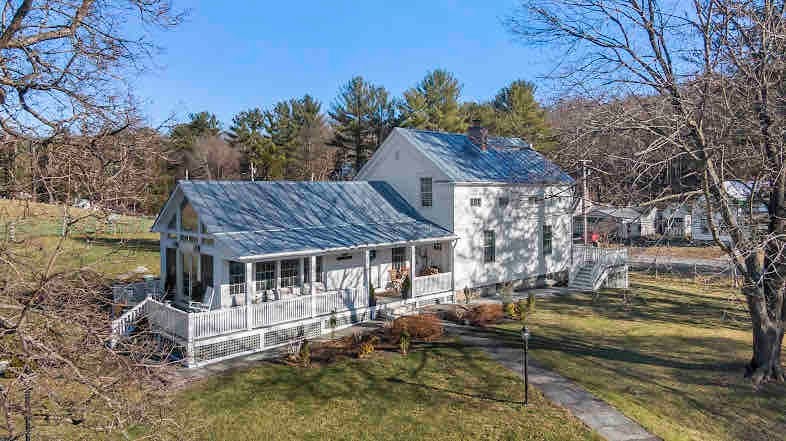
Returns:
(121,325)
(425,285)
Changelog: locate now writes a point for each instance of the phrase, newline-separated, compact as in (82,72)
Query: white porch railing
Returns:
(220,321)
(426,285)
(166,318)
(133,293)
(601,259)
(190,326)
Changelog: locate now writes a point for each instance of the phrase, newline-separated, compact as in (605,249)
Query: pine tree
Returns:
(433,103)
(519,114)
(201,124)
(248,135)
(362,116)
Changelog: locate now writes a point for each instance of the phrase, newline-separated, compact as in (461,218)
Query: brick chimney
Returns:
(478,134)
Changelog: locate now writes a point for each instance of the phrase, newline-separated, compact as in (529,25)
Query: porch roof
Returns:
(256,219)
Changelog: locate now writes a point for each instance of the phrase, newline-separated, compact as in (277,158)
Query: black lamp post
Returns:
(525,339)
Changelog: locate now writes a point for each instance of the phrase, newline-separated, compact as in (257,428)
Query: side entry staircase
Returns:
(593,268)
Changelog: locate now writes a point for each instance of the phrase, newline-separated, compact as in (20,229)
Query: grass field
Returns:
(441,391)
(684,252)
(671,357)
(93,243)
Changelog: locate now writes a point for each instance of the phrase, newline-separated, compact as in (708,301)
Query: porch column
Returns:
(312,276)
(452,258)
(367,270)
(278,275)
(179,275)
(162,255)
(249,292)
(300,275)
(412,262)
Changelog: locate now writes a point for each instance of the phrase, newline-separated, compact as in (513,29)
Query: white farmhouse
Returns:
(251,266)
(509,206)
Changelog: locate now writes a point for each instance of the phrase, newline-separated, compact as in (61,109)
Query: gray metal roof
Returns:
(509,160)
(271,217)
(621,213)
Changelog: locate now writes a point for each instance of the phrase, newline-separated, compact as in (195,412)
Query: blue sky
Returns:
(225,59)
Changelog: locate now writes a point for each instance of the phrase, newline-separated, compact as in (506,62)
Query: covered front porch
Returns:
(199,282)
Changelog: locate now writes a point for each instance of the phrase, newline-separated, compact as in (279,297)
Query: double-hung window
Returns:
(547,235)
(489,246)
(289,273)
(426,192)
(265,275)
(398,258)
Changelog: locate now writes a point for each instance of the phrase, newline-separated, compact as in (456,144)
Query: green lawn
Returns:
(672,358)
(92,242)
(442,391)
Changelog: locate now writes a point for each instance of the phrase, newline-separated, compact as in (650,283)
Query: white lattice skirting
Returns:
(215,349)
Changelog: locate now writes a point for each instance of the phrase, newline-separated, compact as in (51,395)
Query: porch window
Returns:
(265,274)
(188,217)
(426,192)
(237,272)
(206,269)
(489,245)
(547,235)
(306,270)
(319,269)
(289,273)
(503,201)
(474,202)
(398,258)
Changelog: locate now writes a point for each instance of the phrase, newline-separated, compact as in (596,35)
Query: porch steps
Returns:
(583,280)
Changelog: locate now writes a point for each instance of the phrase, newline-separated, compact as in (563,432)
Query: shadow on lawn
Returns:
(449,367)
(655,305)
(135,244)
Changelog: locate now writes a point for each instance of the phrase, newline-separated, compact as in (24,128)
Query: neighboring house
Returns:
(674,221)
(250,266)
(509,206)
(618,223)
(739,195)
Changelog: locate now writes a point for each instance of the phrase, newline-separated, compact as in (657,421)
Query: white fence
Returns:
(426,285)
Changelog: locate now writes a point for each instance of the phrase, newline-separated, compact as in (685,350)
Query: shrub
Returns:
(425,327)
(485,314)
(511,310)
(367,346)
(404,342)
(526,308)
(406,286)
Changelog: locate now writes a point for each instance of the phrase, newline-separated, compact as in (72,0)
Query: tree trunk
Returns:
(765,365)
(768,329)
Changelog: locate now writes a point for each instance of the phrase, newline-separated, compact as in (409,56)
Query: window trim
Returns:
(489,246)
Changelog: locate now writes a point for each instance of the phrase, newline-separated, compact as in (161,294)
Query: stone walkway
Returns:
(595,413)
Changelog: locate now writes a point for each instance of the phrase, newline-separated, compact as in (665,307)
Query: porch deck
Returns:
(223,333)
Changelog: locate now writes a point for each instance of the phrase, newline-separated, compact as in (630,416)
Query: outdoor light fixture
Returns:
(525,339)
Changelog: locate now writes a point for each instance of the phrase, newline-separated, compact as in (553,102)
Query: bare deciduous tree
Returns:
(703,82)
(62,96)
